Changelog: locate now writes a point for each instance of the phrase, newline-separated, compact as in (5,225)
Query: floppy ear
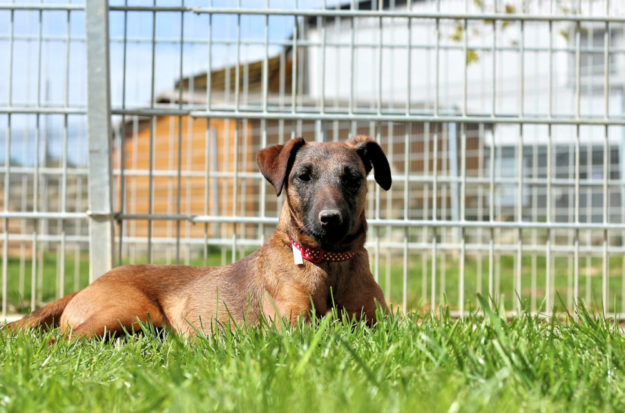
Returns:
(373,156)
(276,161)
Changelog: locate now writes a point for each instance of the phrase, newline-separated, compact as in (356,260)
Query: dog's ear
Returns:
(373,156)
(276,161)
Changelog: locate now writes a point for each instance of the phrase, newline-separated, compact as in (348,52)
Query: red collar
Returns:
(317,255)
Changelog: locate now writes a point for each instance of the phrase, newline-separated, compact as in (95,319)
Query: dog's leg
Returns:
(110,309)
(360,296)
(290,303)
(100,324)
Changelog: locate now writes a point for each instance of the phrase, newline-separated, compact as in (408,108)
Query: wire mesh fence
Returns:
(502,121)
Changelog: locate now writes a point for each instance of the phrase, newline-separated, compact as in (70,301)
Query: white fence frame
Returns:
(102,216)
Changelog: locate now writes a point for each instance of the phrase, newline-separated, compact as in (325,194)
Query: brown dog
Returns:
(315,256)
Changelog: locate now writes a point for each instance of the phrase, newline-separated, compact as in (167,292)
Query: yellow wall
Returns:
(193,158)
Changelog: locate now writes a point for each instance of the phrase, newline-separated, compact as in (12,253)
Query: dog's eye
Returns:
(351,179)
(304,176)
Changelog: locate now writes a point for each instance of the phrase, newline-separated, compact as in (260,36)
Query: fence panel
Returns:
(503,123)
(44,152)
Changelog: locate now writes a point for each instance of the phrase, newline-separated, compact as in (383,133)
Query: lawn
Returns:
(408,363)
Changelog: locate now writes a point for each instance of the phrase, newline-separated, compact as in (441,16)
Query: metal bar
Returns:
(61,223)
(491,219)
(471,248)
(465,50)
(578,87)
(308,108)
(189,186)
(235,191)
(295,58)
(407,134)
(41,6)
(209,137)
(39,110)
(5,244)
(352,64)
(518,270)
(463,195)
(337,44)
(238,63)
(122,145)
(549,280)
(606,171)
(312,43)
(37,268)
(535,182)
(534,212)
(24,170)
(133,188)
(207,166)
(446,193)
(152,137)
(7,180)
(372,222)
(434,213)
(375,127)
(79,202)
(491,184)
(425,212)
(179,152)
(406,198)
(322,71)
(548,262)
(309,43)
(480,207)
(374,13)
(388,117)
(361,115)
(99,133)
(437,61)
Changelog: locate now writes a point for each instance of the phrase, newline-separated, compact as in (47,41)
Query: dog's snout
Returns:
(330,217)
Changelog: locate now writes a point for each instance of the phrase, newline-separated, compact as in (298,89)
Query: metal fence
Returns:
(503,122)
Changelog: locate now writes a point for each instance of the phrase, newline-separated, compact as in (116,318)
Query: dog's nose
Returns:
(330,217)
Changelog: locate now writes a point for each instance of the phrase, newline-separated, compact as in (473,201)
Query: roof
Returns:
(255,69)
(278,67)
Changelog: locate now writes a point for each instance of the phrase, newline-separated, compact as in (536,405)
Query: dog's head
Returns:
(325,185)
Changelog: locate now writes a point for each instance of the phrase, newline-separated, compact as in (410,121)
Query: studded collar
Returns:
(317,255)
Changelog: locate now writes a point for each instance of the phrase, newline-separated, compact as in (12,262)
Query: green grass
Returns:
(412,363)
(476,281)
(45,279)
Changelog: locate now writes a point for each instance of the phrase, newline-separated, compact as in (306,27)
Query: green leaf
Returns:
(313,345)
(472,56)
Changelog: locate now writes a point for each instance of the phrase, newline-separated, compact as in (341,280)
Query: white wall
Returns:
(393,85)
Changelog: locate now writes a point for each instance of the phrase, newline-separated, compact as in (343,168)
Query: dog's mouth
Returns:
(330,238)
(327,240)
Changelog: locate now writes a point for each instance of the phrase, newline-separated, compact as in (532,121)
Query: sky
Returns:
(58,77)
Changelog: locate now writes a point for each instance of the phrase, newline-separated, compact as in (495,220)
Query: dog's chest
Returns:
(322,282)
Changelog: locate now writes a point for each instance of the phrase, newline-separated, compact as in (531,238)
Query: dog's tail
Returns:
(46,317)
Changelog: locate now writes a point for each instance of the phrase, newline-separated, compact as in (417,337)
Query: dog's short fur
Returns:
(325,190)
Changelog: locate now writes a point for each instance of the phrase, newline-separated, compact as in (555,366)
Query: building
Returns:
(330,66)
(512,69)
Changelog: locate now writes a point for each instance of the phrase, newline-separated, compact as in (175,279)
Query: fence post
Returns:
(99,132)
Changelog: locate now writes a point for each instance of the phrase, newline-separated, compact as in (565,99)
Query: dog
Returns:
(313,261)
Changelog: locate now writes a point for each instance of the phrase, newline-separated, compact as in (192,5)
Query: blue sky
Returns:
(58,75)
(196,30)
